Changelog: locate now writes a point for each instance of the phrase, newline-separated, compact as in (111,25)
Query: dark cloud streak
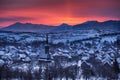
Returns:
(14,18)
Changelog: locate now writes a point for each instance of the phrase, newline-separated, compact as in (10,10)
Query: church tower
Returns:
(47,47)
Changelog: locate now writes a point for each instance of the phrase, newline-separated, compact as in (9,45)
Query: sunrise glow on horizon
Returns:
(56,12)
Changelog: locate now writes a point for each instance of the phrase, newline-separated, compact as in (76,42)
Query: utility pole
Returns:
(118,45)
(115,63)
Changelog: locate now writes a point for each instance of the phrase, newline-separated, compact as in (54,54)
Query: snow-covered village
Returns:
(67,55)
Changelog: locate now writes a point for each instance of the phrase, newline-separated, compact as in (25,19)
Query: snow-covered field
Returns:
(76,55)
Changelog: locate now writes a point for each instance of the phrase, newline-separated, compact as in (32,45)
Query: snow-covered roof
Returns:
(61,54)
(22,55)
(1,62)
(27,59)
(84,58)
(2,53)
(43,55)
(118,60)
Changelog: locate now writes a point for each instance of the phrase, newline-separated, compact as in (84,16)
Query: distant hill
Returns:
(107,25)
(29,27)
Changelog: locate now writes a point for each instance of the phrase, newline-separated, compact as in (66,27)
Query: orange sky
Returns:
(55,12)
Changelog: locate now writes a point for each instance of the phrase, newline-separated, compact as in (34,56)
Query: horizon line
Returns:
(57,24)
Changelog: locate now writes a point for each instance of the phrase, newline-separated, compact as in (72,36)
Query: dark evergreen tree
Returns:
(116,66)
